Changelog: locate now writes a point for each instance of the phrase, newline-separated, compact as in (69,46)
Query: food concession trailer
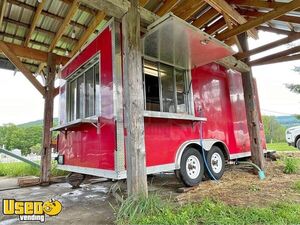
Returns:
(191,103)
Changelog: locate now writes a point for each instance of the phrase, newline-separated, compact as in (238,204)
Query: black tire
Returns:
(192,176)
(298,143)
(216,164)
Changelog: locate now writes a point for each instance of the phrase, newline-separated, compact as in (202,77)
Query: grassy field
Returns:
(18,169)
(282,146)
(211,212)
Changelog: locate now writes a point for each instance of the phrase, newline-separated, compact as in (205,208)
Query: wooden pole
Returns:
(134,105)
(250,96)
(48,122)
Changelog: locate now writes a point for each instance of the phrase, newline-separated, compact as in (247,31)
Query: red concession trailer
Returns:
(191,103)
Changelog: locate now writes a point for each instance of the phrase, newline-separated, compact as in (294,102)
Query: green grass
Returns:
(291,165)
(282,146)
(215,212)
(297,186)
(18,169)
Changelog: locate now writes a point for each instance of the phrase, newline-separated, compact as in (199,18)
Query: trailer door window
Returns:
(84,92)
(165,88)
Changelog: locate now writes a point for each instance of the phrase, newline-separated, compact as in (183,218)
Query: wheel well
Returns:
(223,149)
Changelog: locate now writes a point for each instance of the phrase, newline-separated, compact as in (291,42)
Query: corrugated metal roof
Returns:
(19,14)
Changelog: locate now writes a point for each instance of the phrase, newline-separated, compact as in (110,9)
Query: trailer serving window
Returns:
(165,88)
(83,91)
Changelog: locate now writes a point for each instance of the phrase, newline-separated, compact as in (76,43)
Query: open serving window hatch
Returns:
(173,40)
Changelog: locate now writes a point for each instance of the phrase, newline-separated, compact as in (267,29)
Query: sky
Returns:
(20,102)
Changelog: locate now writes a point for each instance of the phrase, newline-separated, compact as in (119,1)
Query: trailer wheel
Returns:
(298,143)
(215,162)
(191,167)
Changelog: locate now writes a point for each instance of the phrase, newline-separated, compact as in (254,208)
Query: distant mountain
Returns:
(36,123)
(288,121)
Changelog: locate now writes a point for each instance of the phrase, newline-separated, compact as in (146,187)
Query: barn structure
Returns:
(37,37)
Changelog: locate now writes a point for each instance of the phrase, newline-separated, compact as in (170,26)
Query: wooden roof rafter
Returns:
(223,7)
(295,4)
(36,17)
(2,10)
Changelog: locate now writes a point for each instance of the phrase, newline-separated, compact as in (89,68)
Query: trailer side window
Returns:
(84,92)
(165,88)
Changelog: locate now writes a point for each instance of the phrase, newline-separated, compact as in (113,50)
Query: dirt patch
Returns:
(239,186)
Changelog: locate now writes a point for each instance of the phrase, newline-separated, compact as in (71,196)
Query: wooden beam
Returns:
(260,20)
(252,107)
(38,29)
(205,18)
(48,122)
(143,2)
(230,26)
(118,8)
(215,27)
(34,54)
(34,21)
(166,7)
(3,4)
(134,106)
(266,47)
(92,27)
(287,52)
(282,59)
(259,4)
(82,7)
(72,10)
(223,7)
(283,18)
(275,30)
(11,55)
(188,8)
(46,13)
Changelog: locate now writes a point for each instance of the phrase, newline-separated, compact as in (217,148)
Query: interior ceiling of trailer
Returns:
(19,17)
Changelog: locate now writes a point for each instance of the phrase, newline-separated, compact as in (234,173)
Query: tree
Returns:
(274,131)
(294,87)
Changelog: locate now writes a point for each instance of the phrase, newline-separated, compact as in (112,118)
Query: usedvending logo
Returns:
(31,210)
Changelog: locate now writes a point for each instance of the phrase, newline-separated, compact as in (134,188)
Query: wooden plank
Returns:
(223,7)
(92,27)
(166,7)
(274,56)
(250,96)
(118,8)
(65,23)
(260,20)
(34,54)
(205,18)
(283,18)
(48,122)
(143,2)
(259,4)
(134,109)
(11,55)
(34,21)
(46,13)
(282,59)
(230,26)
(215,27)
(188,8)
(266,47)
(3,4)
(275,30)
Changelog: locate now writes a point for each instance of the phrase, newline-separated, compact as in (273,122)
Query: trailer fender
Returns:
(207,144)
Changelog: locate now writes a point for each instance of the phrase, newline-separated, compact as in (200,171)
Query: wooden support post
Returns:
(48,122)
(134,105)
(250,96)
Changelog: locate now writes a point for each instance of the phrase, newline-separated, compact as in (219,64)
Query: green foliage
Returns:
(133,207)
(294,87)
(214,212)
(290,165)
(274,131)
(282,146)
(18,169)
